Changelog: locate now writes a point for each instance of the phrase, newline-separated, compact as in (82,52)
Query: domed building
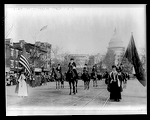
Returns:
(116,45)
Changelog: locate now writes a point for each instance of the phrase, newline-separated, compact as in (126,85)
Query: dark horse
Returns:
(58,78)
(86,78)
(72,79)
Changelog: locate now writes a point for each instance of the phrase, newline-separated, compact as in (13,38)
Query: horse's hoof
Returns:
(69,93)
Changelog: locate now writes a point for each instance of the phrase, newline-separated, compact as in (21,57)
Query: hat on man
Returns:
(71,59)
(113,66)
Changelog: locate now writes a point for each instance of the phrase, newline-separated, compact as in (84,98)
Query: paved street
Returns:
(47,100)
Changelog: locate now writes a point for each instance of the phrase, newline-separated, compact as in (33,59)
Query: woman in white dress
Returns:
(22,91)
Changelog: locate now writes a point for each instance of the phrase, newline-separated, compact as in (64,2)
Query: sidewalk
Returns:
(134,98)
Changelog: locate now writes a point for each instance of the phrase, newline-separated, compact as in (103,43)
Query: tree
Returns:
(109,60)
(91,60)
(127,66)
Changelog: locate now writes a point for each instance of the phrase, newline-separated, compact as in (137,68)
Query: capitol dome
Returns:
(115,41)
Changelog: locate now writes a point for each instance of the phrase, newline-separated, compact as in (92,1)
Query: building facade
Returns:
(80,60)
(38,55)
(117,46)
(12,52)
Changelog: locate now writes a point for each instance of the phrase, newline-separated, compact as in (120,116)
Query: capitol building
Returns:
(116,45)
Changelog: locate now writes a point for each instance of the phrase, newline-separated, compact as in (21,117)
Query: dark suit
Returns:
(71,65)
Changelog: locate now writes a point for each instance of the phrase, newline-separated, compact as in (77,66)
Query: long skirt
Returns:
(23,90)
(17,87)
(115,93)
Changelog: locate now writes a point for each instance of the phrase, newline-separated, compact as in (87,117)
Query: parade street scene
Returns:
(70,59)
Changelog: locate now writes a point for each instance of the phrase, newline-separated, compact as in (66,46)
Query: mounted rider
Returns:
(94,71)
(72,66)
(85,68)
(58,68)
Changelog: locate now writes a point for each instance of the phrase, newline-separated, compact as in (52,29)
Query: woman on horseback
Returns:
(94,76)
(85,76)
(58,68)
(72,76)
(72,66)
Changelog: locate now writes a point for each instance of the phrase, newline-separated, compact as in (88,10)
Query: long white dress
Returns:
(22,91)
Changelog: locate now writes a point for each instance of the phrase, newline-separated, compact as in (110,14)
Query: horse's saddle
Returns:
(72,73)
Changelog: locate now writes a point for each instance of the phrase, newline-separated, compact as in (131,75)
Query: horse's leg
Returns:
(88,84)
(70,87)
(73,84)
(76,85)
(96,83)
(93,82)
(84,85)
(56,84)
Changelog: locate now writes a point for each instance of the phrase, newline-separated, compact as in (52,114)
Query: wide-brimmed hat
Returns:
(113,66)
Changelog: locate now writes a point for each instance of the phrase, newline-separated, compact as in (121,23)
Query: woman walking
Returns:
(114,85)
(22,91)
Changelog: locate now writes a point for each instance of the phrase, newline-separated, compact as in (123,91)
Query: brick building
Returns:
(38,55)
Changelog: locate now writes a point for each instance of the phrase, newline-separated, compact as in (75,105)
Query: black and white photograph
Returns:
(75,59)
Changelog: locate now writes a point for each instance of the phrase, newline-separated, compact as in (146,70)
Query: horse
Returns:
(86,78)
(72,79)
(57,76)
(94,77)
(62,80)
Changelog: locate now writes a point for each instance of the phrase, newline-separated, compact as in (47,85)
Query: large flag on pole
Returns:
(132,55)
(24,61)
(43,28)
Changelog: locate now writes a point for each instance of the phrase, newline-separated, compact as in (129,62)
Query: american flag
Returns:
(24,61)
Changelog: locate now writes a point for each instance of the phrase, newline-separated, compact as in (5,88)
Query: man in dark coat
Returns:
(58,68)
(85,69)
(72,66)
(94,71)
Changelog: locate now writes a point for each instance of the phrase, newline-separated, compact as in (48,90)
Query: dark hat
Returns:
(113,66)
(72,59)
(85,64)
(58,64)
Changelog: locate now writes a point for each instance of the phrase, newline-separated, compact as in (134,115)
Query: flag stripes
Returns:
(23,61)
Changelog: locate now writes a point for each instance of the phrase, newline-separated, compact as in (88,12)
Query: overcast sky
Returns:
(84,29)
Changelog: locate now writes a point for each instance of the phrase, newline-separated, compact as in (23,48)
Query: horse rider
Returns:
(72,66)
(94,70)
(58,68)
(85,68)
